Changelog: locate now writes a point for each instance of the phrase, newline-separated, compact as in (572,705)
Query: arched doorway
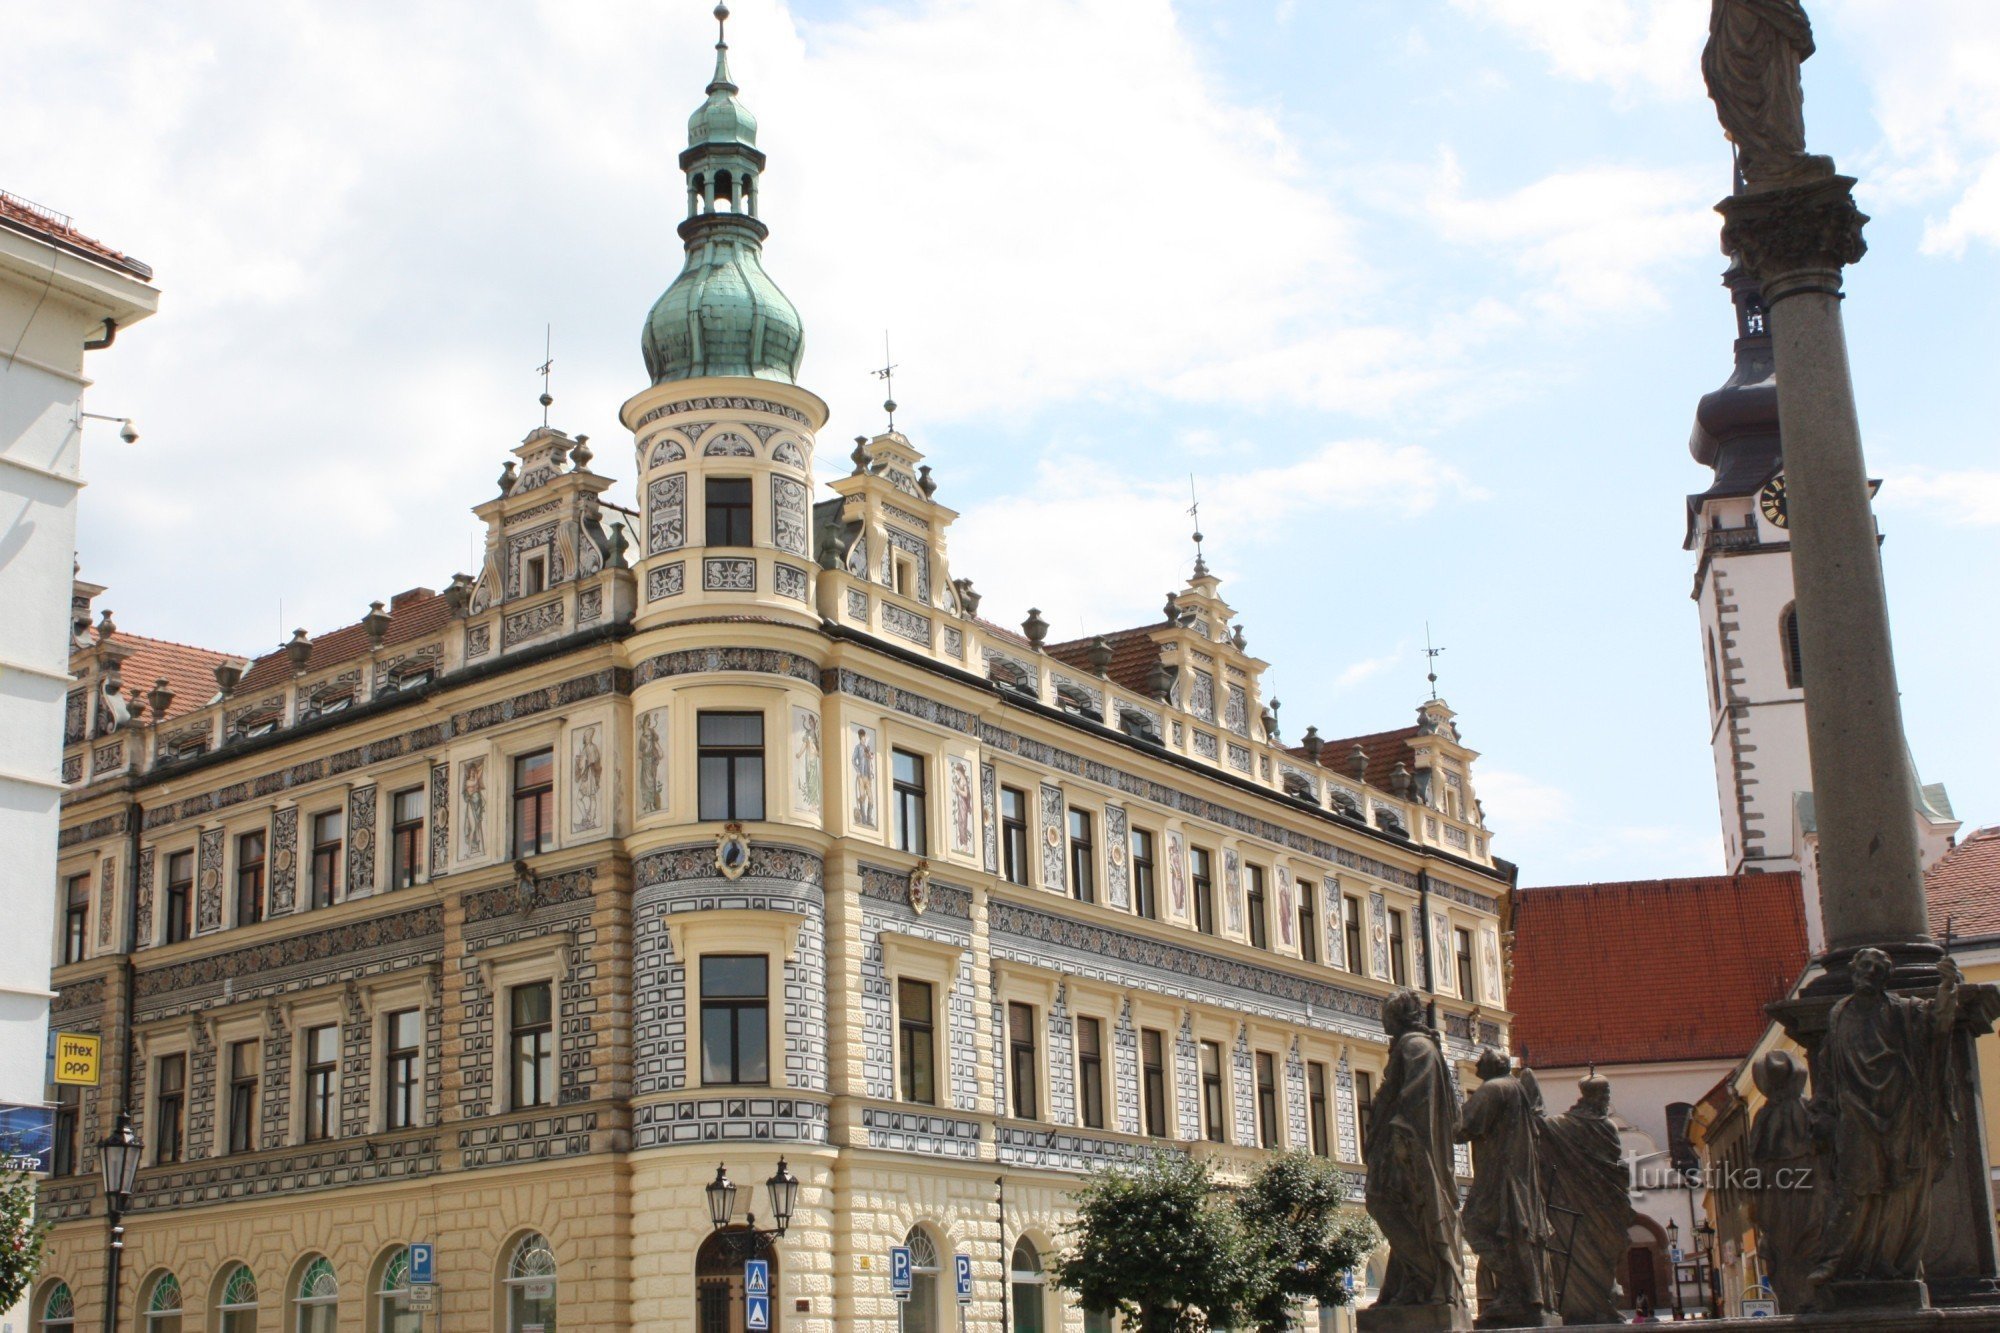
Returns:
(718,1280)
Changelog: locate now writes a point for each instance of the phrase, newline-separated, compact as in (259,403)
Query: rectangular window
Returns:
(534,575)
(1201,871)
(735,1019)
(76,918)
(329,828)
(1145,892)
(1316,1107)
(1014,834)
(322,1053)
(68,1107)
(401,1072)
(1462,947)
(1257,905)
(1090,1071)
(1267,1100)
(1153,1080)
(534,803)
(1082,858)
(728,508)
(1399,949)
(916,1039)
(1364,1104)
(531,1038)
(730,765)
(907,783)
(250,878)
(1350,930)
(406,837)
(180,897)
(1211,1092)
(1308,922)
(170,1108)
(245,1076)
(1022,1071)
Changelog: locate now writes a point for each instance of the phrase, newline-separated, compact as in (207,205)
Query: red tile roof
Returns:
(1963,887)
(18,214)
(189,671)
(416,614)
(1133,653)
(1653,970)
(1384,750)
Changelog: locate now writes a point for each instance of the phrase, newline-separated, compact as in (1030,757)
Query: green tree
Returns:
(1158,1246)
(22,1234)
(1302,1237)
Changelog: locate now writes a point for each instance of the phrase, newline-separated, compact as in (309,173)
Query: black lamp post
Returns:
(119,1156)
(748,1241)
(1674,1256)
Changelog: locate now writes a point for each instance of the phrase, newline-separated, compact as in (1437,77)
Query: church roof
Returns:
(1653,971)
(1963,887)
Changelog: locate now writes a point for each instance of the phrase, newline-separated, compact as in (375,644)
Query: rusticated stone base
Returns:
(1414,1319)
(1977,1319)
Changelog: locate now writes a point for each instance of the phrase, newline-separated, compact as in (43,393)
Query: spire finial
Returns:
(887,374)
(721,79)
(548,362)
(1432,654)
(1194,512)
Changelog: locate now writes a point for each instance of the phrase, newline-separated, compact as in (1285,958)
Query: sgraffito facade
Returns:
(705,834)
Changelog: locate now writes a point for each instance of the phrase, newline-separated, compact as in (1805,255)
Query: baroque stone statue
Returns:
(1751,65)
(1881,1092)
(1506,1223)
(1786,1204)
(1412,1193)
(1583,1167)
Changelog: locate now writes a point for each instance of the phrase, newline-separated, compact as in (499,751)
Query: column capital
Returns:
(1795,238)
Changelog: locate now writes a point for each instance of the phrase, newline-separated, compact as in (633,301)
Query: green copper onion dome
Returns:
(723,315)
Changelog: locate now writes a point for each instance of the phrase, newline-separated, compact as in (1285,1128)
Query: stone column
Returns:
(1796,239)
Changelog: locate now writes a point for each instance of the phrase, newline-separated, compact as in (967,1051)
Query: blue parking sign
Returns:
(899,1271)
(964,1279)
(423,1263)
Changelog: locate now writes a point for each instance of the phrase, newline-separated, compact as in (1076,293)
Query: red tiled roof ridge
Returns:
(414,619)
(1670,883)
(126,636)
(27,216)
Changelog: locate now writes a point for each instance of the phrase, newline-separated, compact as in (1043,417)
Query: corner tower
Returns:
(724,434)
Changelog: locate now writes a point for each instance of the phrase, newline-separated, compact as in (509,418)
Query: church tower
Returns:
(1740,533)
(724,434)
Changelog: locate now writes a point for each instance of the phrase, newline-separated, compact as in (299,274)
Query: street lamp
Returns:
(119,1156)
(748,1239)
(1674,1264)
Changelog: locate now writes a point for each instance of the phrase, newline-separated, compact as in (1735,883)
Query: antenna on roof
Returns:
(887,374)
(1432,654)
(1194,512)
(548,362)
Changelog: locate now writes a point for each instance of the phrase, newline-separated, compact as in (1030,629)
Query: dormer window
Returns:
(264,728)
(336,704)
(534,575)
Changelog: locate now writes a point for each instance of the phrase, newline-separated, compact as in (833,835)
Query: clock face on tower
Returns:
(1772,501)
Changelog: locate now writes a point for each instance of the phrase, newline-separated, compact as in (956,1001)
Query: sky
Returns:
(1418,295)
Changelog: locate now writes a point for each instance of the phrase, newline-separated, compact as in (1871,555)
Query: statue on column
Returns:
(1505,1220)
(1583,1163)
(1786,1206)
(1412,1191)
(1882,1085)
(1751,65)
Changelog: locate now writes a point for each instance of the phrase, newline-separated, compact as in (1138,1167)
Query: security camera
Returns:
(127,434)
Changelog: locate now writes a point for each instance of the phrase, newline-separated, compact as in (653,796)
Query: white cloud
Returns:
(1968,498)
(1093,548)
(1591,239)
(1368,668)
(1563,837)
(1630,46)
(1519,802)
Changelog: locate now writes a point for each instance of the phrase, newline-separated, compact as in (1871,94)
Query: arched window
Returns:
(163,1305)
(718,1280)
(318,1298)
(57,1311)
(531,1286)
(920,1312)
(1027,1288)
(392,1296)
(1788,642)
(236,1303)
